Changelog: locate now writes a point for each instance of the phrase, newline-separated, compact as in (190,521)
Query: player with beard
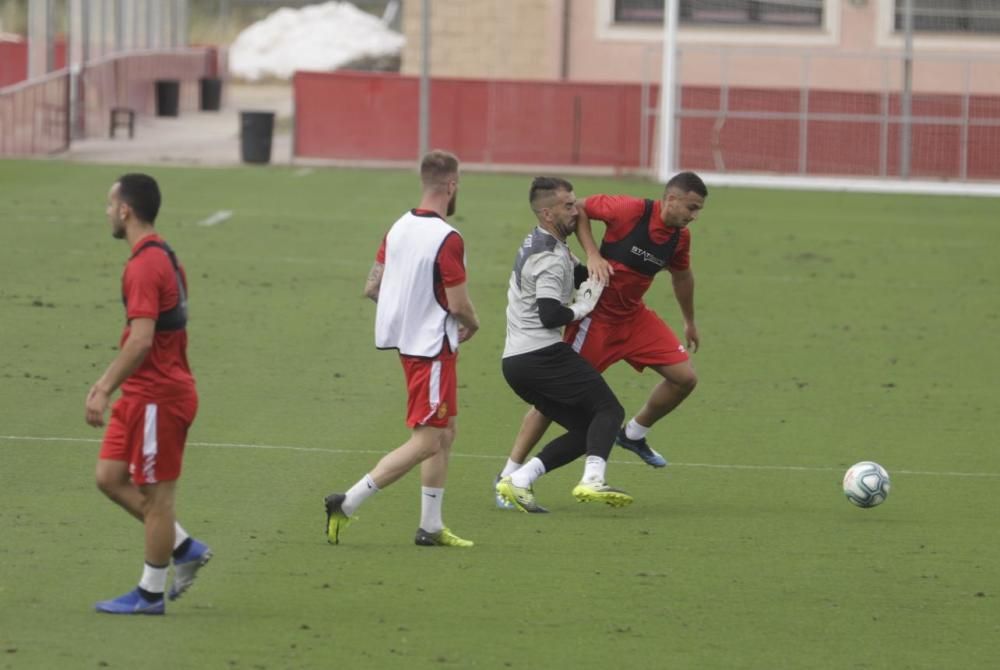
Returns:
(543,369)
(140,459)
(423,311)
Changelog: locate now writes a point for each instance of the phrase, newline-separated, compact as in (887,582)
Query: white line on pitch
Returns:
(218,217)
(287,447)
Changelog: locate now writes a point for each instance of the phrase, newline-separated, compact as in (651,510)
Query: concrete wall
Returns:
(507,39)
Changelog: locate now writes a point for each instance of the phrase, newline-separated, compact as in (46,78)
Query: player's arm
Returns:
(551,312)
(597,266)
(374,281)
(683,283)
(460,306)
(132,354)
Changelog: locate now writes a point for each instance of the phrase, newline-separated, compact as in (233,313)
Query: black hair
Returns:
(541,186)
(687,182)
(141,193)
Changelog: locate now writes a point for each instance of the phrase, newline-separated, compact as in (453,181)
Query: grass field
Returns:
(835,328)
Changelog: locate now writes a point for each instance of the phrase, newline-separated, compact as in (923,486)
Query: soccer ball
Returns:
(866,484)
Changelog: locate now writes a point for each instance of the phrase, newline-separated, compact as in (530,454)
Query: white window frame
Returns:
(888,38)
(826,35)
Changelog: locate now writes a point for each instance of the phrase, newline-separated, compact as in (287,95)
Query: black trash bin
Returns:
(211,94)
(168,97)
(256,129)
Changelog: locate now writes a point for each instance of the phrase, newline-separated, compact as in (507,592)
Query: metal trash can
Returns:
(256,129)
(168,97)
(211,94)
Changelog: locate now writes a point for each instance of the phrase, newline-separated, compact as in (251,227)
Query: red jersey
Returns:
(149,288)
(449,266)
(624,293)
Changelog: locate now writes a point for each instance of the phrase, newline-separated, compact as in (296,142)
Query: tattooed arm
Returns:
(374,281)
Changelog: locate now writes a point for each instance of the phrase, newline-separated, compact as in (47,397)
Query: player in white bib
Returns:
(423,310)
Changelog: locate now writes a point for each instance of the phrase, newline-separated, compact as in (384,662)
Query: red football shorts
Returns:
(642,340)
(149,436)
(432,388)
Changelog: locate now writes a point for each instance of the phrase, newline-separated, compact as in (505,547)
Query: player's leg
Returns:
(112,475)
(424,443)
(567,389)
(431,400)
(654,345)
(433,474)
(189,555)
(533,427)
(606,413)
(534,377)
(678,382)
(158,521)
(151,437)
(114,482)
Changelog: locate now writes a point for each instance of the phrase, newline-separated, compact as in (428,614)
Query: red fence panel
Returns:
(14,60)
(362,116)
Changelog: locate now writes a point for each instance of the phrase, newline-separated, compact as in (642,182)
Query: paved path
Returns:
(196,138)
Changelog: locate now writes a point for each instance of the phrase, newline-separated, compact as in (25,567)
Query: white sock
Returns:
(594,469)
(526,475)
(507,469)
(357,494)
(430,508)
(635,431)
(154,579)
(179,535)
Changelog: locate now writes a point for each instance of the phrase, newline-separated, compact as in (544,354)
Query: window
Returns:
(793,13)
(952,16)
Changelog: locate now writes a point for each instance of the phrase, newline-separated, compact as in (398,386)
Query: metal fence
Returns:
(34,116)
(748,109)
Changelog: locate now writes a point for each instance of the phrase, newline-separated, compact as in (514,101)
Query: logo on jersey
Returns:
(648,257)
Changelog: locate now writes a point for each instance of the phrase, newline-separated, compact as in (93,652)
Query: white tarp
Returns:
(316,37)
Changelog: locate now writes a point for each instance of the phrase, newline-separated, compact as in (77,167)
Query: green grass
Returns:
(835,328)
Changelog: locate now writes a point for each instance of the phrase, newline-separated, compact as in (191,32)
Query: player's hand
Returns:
(97,403)
(691,336)
(600,269)
(464,333)
(586,298)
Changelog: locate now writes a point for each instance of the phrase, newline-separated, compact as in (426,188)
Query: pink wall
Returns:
(856,49)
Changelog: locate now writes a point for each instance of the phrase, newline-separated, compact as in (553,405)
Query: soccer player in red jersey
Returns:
(423,310)
(643,238)
(140,458)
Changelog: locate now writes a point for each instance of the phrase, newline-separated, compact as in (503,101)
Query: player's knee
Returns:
(447,438)
(104,485)
(688,382)
(613,410)
(108,483)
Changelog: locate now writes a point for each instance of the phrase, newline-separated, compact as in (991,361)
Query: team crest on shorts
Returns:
(442,410)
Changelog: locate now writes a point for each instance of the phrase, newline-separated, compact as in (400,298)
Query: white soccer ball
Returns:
(866,484)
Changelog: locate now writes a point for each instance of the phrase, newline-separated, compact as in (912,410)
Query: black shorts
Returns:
(560,384)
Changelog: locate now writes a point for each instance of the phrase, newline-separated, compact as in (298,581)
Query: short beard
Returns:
(452,204)
(566,229)
(118,233)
